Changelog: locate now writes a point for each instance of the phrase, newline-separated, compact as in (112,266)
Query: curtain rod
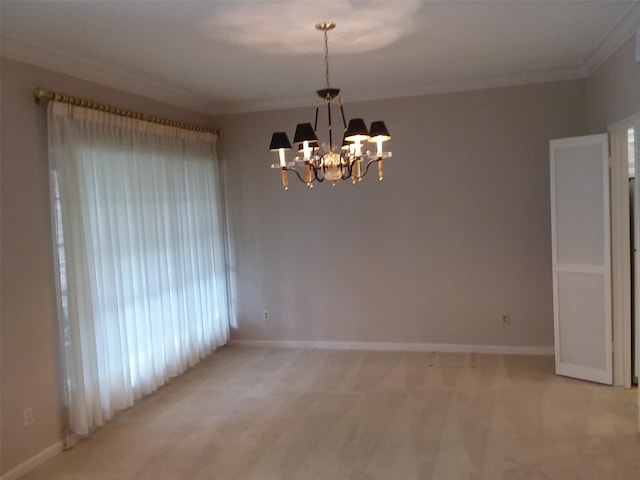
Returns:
(40,93)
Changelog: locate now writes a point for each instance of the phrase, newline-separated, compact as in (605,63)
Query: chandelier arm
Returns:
(344,120)
(315,124)
(318,178)
(366,169)
(349,170)
(315,173)
(295,170)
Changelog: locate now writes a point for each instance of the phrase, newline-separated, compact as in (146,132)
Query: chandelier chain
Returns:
(326,58)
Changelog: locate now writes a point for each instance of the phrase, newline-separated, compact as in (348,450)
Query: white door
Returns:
(580,232)
(636,246)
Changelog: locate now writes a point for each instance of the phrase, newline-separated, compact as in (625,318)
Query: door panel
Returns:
(581,257)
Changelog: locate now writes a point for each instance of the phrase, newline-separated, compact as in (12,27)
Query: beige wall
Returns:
(613,90)
(457,234)
(28,328)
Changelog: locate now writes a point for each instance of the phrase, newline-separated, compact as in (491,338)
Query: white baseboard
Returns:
(33,462)
(398,347)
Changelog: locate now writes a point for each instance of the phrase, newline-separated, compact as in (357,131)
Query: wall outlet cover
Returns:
(28,416)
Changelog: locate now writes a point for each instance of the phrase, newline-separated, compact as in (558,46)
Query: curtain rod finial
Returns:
(39,93)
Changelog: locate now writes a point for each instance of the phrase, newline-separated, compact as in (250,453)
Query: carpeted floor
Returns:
(266,414)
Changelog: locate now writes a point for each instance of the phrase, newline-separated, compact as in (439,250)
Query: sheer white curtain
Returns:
(140,253)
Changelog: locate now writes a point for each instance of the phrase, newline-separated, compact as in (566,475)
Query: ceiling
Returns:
(221,56)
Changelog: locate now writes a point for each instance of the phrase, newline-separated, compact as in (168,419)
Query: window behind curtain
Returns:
(137,216)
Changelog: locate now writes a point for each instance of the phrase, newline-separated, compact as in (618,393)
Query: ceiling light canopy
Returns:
(328,161)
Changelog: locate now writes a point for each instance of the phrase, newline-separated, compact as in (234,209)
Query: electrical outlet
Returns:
(265,315)
(505,320)
(27,415)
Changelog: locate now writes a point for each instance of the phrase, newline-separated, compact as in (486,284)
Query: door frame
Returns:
(621,250)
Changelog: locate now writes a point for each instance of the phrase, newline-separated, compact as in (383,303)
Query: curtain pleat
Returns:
(141,261)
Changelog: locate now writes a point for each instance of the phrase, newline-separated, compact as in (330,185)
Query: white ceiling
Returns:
(238,55)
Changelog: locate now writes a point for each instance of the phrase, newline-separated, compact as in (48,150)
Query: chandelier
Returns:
(330,161)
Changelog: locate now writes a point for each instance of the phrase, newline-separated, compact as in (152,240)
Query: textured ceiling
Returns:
(239,55)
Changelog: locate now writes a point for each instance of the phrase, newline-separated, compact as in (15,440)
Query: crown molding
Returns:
(248,106)
(101,74)
(131,83)
(628,24)
(121,80)
(446,86)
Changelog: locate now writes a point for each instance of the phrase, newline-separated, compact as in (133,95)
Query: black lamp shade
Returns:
(279,140)
(356,129)
(304,131)
(379,130)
